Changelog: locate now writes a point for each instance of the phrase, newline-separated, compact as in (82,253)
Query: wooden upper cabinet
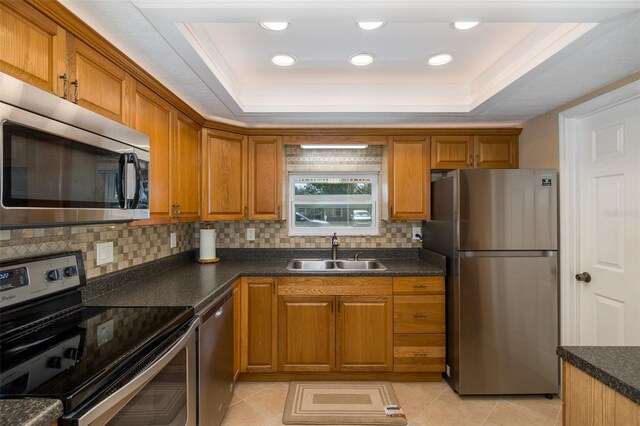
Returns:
(259,325)
(154,117)
(185,169)
(101,86)
(364,333)
(224,189)
(32,47)
(451,152)
(306,336)
(409,176)
(265,177)
(496,152)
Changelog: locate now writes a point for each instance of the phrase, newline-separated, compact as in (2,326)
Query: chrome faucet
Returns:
(334,246)
(357,256)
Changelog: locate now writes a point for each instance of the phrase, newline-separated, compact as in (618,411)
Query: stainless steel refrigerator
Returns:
(498,230)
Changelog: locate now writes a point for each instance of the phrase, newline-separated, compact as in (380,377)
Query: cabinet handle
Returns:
(246,213)
(419,315)
(65,90)
(477,159)
(421,354)
(471,159)
(75,90)
(420,286)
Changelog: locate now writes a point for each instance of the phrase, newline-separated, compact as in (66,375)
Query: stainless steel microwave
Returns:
(63,164)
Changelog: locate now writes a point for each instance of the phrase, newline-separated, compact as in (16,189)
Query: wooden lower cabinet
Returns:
(419,352)
(237,320)
(306,334)
(419,314)
(587,401)
(365,333)
(258,325)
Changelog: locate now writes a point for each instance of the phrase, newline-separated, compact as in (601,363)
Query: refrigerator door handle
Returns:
(509,253)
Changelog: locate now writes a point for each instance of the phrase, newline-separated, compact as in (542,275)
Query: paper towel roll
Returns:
(207,244)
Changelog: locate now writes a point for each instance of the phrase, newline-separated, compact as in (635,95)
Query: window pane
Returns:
(333,186)
(333,215)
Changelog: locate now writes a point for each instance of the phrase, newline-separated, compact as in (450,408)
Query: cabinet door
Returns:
(409,177)
(185,169)
(451,152)
(259,325)
(153,117)
(496,152)
(101,86)
(32,47)
(265,177)
(237,329)
(365,333)
(306,333)
(225,176)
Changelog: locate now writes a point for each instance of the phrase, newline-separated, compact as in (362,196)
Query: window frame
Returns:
(328,231)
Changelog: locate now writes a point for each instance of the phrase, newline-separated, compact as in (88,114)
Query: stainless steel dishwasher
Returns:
(215,360)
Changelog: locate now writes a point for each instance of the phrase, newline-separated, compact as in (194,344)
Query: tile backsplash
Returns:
(132,245)
(275,235)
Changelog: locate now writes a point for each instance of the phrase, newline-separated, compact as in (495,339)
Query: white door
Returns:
(609,217)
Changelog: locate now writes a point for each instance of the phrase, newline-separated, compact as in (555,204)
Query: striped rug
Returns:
(340,403)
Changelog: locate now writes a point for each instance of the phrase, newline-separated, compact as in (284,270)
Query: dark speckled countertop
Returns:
(193,284)
(29,411)
(616,366)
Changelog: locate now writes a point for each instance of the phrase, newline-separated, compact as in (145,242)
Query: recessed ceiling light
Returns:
(283,59)
(440,59)
(464,25)
(274,26)
(361,59)
(370,25)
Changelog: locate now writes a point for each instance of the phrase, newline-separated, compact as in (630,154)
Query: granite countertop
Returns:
(197,285)
(30,411)
(616,366)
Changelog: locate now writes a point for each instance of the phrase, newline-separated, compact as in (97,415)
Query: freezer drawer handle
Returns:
(584,277)
(419,315)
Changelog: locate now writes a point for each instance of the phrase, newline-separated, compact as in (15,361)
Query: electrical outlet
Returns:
(415,230)
(251,234)
(448,371)
(104,332)
(174,242)
(104,253)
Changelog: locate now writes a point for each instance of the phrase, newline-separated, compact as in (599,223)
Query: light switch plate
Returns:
(104,253)
(174,242)
(415,230)
(251,234)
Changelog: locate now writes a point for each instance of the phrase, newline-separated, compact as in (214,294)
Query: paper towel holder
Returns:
(215,259)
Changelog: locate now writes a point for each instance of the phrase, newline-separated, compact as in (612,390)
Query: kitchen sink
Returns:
(335,265)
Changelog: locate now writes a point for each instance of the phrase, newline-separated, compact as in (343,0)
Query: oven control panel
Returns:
(24,280)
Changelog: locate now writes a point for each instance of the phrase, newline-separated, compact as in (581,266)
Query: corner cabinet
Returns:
(185,170)
(409,178)
(265,177)
(480,152)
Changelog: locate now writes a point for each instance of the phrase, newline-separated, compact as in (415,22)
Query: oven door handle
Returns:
(122,396)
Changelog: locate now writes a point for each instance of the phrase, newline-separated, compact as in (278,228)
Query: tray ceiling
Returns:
(220,58)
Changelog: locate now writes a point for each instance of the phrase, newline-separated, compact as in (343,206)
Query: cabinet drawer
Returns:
(418,285)
(419,353)
(418,314)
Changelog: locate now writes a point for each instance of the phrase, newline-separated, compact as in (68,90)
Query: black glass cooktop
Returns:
(75,354)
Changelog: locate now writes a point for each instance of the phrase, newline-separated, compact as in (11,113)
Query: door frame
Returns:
(569,203)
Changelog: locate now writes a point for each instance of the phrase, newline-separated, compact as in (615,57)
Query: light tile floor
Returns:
(425,404)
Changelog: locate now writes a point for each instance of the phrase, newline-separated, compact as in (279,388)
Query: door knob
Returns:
(585,276)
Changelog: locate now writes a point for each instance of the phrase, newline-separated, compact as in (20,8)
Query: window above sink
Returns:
(321,204)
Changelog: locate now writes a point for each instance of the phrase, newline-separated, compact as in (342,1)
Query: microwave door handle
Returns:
(138,176)
(122,181)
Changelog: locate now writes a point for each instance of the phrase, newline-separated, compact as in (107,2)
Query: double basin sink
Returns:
(335,265)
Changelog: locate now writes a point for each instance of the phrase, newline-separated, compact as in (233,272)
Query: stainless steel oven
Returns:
(64,164)
(158,390)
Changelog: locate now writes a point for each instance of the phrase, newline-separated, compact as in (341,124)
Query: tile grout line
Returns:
(433,400)
(486,419)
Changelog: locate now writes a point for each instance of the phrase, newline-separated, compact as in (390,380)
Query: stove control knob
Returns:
(53,275)
(70,271)
(55,362)
(71,353)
